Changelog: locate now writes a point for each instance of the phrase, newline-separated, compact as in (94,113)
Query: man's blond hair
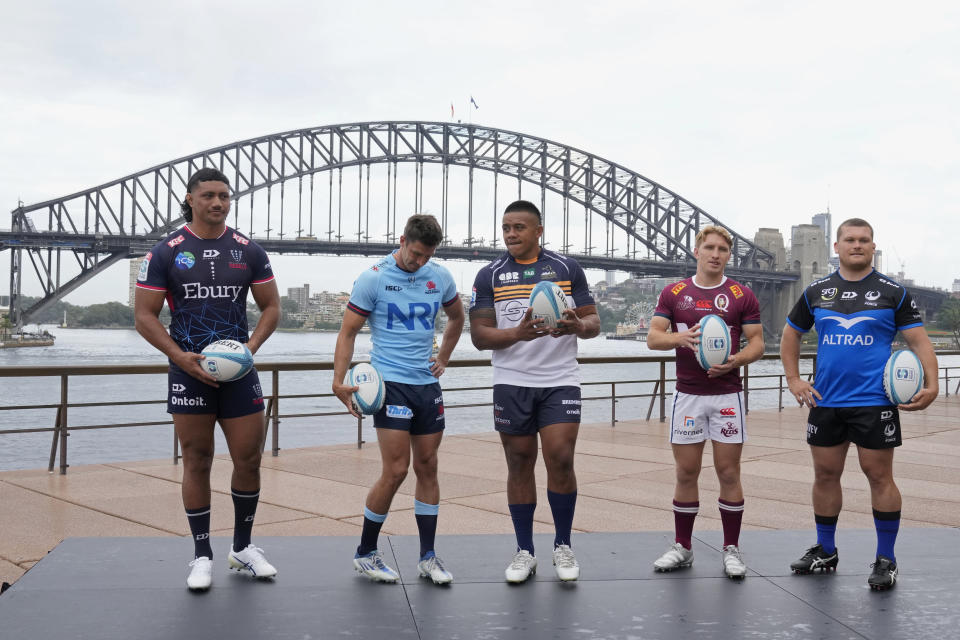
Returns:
(720,231)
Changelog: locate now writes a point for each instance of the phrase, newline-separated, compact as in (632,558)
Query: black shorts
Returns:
(186,394)
(523,411)
(867,427)
(417,408)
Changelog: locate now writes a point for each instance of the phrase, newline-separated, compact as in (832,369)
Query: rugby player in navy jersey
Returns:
(400,296)
(204,271)
(707,404)
(856,312)
(536,379)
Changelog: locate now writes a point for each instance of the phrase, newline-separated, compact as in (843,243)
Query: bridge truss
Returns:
(586,200)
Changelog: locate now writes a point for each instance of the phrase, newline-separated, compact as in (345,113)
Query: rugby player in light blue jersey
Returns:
(857,313)
(401,295)
(204,271)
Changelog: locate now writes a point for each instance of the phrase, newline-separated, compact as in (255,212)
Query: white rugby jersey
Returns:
(505,285)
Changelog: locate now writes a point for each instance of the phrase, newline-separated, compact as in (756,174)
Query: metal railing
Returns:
(272,416)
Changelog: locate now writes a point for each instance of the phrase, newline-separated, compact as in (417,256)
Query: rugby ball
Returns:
(714,347)
(227,360)
(370,396)
(903,376)
(548,303)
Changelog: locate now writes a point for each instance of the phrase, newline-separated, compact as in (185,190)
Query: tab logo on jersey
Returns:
(722,301)
(240,239)
(175,242)
(209,254)
(197,291)
(848,295)
(184,260)
(144,268)
(529,273)
(828,294)
(399,411)
(736,291)
(508,276)
(677,288)
(422,311)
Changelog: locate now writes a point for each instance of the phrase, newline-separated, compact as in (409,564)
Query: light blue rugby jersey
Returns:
(400,308)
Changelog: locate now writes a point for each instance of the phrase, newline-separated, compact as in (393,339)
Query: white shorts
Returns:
(695,418)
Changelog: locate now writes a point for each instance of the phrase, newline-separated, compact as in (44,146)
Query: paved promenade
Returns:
(625,478)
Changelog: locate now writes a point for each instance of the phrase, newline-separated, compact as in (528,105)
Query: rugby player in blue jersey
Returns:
(856,312)
(536,379)
(204,271)
(401,295)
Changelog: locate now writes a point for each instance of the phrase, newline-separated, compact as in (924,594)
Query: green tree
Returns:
(948,319)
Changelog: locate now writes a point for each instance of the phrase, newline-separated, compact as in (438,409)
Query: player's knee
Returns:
(394,474)
(729,475)
(248,463)
(197,460)
(425,467)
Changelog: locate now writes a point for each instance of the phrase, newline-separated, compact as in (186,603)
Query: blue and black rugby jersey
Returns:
(856,322)
(206,282)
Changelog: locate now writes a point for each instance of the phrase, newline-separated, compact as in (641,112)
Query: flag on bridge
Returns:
(451,111)
(474,103)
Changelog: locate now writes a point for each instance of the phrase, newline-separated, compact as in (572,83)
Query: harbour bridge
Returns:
(338,190)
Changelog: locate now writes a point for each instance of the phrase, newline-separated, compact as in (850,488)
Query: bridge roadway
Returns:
(122,553)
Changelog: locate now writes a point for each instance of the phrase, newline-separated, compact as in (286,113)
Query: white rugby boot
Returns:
(676,557)
(521,567)
(373,567)
(201,574)
(430,566)
(565,563)
(733,565)
(251,561)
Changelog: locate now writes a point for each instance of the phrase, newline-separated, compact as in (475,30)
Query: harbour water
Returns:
(79,346)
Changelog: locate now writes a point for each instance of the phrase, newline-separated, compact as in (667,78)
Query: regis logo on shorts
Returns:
(730,430)
(729,412)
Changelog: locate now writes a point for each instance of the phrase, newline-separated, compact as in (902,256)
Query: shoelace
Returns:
(733,551)
(565,557)
(434,563)
(196,561)
(520,560)
(256,552)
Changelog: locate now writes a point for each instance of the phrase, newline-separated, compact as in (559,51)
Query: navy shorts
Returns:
(417,408)
(523,411)
(868,427)
(186,394)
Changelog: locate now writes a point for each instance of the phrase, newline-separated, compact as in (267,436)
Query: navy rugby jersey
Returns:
(206,282)
(505,286)
(401,308)
(856,322)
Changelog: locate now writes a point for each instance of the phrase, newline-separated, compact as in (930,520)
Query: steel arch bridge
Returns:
(645,227)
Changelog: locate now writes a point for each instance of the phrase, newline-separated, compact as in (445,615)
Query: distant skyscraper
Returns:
(825,222)
(610,277)
(300,294)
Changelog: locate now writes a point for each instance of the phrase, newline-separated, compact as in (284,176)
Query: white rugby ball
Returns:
(714,347)
(227,360)
(548,303)
(903,376)
(370,396)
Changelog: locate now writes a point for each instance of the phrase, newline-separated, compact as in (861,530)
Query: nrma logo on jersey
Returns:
(424,312)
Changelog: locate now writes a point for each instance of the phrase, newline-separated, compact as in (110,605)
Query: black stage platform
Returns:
(133,588)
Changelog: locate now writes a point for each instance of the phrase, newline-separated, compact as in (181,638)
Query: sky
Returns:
(761,113)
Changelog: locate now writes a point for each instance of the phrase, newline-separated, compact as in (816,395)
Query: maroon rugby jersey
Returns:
(684,304)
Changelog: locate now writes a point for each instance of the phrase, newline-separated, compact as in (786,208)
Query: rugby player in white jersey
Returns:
(536,379)
(204,270)
(400,296)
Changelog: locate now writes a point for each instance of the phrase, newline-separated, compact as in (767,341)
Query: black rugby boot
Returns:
(814,559)
(884,574)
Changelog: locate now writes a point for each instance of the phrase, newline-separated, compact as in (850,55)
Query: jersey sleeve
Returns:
(259,265)
(907,315)
(364,296)
(450,294)
(482,295)
(580,288)
(750,314)
(153,269)
(801,316)
(664,307)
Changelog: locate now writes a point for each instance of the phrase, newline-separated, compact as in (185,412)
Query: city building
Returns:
(825,222)
(300,295)
(134,267)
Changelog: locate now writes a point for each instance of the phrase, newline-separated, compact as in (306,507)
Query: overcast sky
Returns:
(762,113)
